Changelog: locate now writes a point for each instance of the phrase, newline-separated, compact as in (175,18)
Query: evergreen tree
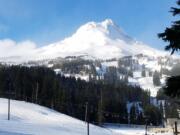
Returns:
(153,115)
(156,78)
(140,118)
(171,111)
(172,34)
(143,73)
(133,114)
(175,71)
(150,73)
(172,87)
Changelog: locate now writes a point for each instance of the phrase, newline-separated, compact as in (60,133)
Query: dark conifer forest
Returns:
(107,102)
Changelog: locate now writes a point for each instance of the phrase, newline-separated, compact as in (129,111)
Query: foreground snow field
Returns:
(132,131)
(31,119)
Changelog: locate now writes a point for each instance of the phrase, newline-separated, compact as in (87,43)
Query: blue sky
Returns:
(46,21)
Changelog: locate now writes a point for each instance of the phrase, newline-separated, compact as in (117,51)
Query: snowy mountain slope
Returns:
(129,66)
(31,119)
(103,40)
(147,84)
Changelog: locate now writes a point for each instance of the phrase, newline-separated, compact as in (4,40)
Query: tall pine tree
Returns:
(172,36)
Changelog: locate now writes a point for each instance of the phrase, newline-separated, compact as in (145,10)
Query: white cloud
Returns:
(26,50)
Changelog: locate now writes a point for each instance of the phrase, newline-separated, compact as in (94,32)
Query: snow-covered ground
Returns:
(31,119)
(132,131)
(147,84)
(110,64)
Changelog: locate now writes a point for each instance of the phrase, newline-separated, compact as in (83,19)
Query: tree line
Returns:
(107,102)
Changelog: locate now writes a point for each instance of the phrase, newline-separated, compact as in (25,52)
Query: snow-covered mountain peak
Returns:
(106,28)
(102,40)
(107,22)
(95,25)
